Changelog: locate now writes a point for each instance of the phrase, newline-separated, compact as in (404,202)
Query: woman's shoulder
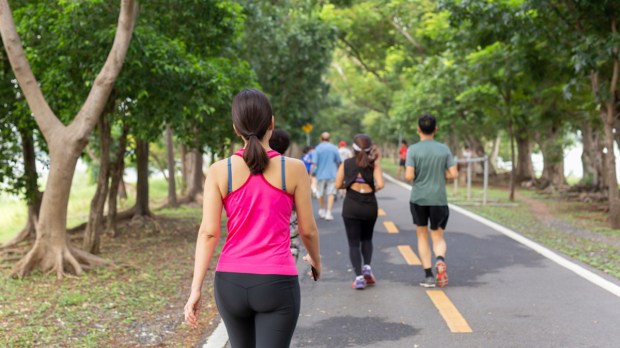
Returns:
(219,165)
(295,163)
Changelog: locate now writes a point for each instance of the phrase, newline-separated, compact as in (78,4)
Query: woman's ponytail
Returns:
(252,115)
(255,155)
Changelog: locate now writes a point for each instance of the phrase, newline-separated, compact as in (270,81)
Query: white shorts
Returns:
(326,187)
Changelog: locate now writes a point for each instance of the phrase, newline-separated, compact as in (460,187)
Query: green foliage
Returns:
(289,47)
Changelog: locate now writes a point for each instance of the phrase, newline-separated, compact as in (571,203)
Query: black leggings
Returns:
(259,310)
(359,234)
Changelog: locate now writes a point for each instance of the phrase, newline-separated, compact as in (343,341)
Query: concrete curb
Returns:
(219,337)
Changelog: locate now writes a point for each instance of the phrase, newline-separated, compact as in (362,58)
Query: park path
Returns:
(501,293)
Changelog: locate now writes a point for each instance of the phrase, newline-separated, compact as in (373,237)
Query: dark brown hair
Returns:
(251,115)
(365,151)
(279,141)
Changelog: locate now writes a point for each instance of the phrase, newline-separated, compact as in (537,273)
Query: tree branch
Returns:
(408,37)
(43,114)
(360,60)
(93,107)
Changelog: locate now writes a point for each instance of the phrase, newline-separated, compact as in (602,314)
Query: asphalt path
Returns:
(501,293)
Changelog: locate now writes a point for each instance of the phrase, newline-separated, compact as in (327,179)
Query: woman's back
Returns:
(258,209)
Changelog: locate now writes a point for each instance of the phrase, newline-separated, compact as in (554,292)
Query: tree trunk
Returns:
(52,250)
(477,150)
(592,156)
(608,115)
(142,187)
(172,190)
(33,196)
(614,205)
(553,158)
(511,196)
(117,168)
(184,169)
(494,155)
(94,225)
(524,167)
(195,176)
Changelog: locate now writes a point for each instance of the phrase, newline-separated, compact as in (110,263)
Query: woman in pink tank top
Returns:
(256,284)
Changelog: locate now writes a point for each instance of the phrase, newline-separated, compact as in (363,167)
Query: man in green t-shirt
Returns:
(429,164)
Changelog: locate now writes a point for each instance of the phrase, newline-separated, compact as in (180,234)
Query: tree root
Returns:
(123,215)
(64,260)
(189,199)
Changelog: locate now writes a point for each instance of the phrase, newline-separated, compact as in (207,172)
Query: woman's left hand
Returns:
(192,309)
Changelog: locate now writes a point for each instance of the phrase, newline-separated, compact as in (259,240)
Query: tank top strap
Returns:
(229,176)
(283,174)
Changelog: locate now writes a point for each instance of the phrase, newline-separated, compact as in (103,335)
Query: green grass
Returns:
(13,212)
(13,216)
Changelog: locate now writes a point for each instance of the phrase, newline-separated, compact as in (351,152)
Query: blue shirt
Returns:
(307,158)
(326,158)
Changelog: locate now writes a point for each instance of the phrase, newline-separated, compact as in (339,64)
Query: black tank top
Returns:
(351,169)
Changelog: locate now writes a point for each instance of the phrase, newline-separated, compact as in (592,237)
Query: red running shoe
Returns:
(442,275)
(368,276)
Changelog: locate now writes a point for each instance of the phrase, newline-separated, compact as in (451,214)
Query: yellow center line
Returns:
(390,227)
(381,212)
(411,258)
(448,311)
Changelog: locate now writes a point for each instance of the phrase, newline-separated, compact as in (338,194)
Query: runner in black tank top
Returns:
(361,176)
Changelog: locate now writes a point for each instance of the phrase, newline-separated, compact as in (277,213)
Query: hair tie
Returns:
(358,149)
(250,135)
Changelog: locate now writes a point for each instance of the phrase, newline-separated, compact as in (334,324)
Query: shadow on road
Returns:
(344,331)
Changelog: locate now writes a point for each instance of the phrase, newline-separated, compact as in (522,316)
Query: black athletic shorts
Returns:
(402,163)
(438,214)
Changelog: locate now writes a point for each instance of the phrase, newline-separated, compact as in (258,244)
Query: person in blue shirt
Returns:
(326,160)
(306,157)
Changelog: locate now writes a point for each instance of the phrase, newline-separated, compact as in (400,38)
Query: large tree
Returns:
(52,251)
(587,32)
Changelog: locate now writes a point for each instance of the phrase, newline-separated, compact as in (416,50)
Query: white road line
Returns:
(218,338)
(577,269)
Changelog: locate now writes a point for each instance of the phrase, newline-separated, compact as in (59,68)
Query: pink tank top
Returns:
(258,240)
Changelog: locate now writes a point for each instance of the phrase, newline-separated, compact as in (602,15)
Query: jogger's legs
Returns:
(423,247)
(439,243)
(330,202)
(354,229)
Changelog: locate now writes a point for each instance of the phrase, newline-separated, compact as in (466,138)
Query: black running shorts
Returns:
(437,214)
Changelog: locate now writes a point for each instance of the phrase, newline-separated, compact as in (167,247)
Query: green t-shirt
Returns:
(430,159)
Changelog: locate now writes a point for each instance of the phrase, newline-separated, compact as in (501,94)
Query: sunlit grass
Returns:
(13,213)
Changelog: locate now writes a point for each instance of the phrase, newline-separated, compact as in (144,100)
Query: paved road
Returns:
(503,293)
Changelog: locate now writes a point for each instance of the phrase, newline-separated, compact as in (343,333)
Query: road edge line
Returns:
(218,338)
(544,251)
